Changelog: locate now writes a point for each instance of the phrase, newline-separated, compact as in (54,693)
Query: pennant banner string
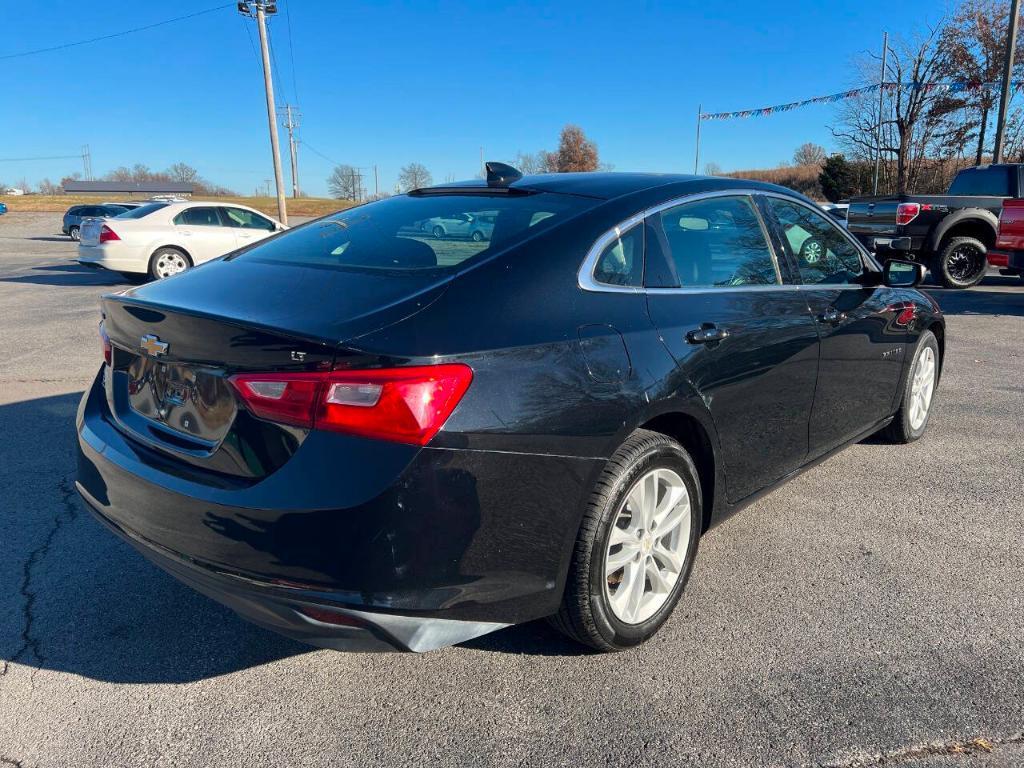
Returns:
(950,87)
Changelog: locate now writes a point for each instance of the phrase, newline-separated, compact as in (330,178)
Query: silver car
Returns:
(476,226)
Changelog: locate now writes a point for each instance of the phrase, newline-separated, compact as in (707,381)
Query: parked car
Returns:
(949,233)
(354,437)
(477,226)
(1008,254)
(3,208)
(163,239)
(73,217)
(14,191)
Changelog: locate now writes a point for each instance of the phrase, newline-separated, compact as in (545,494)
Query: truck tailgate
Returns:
(873,218)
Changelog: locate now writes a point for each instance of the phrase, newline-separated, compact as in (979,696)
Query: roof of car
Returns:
(599,184)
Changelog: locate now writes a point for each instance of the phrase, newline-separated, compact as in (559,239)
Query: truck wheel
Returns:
(961,263)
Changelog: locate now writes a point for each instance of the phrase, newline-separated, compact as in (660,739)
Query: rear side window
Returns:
(141,211)
(198,217)
(419,232)
(823,254)
(983,182)
(718,242)
(622,260)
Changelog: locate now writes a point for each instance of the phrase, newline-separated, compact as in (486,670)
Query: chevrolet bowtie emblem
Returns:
(152,345)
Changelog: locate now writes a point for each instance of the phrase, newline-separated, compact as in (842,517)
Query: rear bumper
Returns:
(417,547)
(118,258)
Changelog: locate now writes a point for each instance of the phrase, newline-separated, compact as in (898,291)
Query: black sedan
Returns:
(365,437)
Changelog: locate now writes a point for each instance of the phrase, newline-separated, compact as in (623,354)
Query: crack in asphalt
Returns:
(906,755)
(66,513)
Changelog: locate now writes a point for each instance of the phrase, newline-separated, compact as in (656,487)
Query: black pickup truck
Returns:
(950,233)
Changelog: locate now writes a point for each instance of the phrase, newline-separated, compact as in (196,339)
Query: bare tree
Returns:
(909,128)
(184,173)
(414,176)
(809,154)
(712,169)
(532,162)
(47,187)
(344,183)
(575,152)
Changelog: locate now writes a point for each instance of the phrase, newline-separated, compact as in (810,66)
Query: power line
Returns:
(49,157)
(273,59)
(115,34)
(315,151)
(291,48)
(248,33)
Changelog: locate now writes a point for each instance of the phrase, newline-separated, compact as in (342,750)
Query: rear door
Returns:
(203,234)
(741,338)
(862,345)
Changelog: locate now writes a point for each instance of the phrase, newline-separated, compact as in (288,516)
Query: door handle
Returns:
(708,333)
(832,316)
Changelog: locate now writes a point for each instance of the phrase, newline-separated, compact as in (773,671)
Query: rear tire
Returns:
(593,612)
(961,262)
(910,421)
(477,236)
(438,232)
(168,261)
(74,233)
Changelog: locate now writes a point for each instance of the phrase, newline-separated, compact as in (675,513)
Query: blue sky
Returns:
(386,83)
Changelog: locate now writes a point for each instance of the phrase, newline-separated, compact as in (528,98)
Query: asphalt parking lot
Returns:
(869,613)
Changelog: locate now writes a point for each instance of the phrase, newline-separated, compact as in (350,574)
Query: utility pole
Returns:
(262,8)
(696,156)
(881,98)
(291,122)
(1004,98)
(376,185)
(483,170)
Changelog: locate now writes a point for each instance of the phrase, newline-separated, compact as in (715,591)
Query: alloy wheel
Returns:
(964,262)
(922,385)
(647,546)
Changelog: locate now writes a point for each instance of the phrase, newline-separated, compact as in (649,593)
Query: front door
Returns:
(742,339)
(863,343)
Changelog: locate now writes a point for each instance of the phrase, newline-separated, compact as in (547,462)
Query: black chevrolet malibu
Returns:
(365,437)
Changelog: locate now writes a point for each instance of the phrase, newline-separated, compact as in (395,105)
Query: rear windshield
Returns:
(429,232)
(982,182)
(142,210)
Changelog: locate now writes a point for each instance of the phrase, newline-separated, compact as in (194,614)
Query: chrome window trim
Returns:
(587,282)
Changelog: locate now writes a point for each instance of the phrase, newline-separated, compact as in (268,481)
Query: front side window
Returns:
(622,260)
(823,254)
(198,217)
(718,242)
(240,217)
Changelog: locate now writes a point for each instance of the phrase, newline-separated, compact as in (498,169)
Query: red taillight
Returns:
(407,405)
(108,351)
(907,212)
(107,234)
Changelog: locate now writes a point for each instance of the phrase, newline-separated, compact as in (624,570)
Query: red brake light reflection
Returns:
(108,351)
(407,405)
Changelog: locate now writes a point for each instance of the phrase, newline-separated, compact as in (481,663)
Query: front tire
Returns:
(166,262)
(438,232)
(635,547)
(961,263)
(74,233)
(911,419)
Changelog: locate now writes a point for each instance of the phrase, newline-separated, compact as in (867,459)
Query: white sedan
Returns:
(162,239)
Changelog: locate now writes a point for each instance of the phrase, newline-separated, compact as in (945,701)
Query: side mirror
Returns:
(902,274)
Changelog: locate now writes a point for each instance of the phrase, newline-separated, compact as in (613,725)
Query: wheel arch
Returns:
(977,223)
(175,247)
(693,435)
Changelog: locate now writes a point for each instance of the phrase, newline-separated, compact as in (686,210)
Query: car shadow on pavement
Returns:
(995,295)
(78,599)
(69,275)
(52,239)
